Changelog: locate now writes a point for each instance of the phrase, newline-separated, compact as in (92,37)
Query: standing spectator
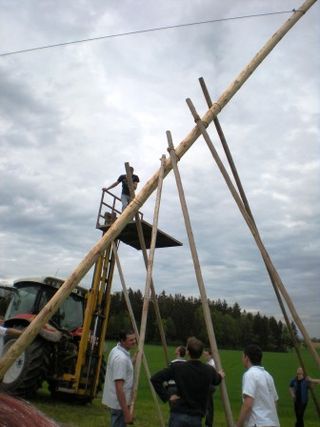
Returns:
(180,353)
(210,406)
(125,194)
(117,392)
(298,389)
(258,392)
(193,380)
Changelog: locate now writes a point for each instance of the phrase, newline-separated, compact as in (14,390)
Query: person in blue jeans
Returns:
(117,391)
(298,388)
(125,194)
(193,380)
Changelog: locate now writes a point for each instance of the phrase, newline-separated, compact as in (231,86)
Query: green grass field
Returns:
(281,365)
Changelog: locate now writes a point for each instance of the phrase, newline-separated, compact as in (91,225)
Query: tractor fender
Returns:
(48,332)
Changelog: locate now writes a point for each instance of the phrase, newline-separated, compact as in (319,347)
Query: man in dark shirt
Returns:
(125,194)
(193,380)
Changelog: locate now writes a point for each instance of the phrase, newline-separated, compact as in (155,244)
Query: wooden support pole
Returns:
(226,149)
(197,269)
(248,209)
(271,269)
(146,299)
(136,331)
(146,261)
(85,265)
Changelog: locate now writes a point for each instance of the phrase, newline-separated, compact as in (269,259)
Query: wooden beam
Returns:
(148,287)
(136,331)
(255,233)
(146,259)
(248,209)
(199,277)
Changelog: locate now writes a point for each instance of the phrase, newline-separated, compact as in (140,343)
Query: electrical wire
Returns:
(147,30)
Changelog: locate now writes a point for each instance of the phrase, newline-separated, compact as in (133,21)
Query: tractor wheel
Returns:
(26,374)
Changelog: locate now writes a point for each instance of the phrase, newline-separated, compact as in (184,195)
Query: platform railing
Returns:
(110,207)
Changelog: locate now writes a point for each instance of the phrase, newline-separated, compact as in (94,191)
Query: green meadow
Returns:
(282,366)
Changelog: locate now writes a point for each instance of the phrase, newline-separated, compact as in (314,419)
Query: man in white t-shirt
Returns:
(258,392)
(117,392)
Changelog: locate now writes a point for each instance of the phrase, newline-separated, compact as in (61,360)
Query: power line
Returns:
(147,30)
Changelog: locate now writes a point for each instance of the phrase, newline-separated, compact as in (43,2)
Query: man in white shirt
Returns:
(117,392)
(258,392)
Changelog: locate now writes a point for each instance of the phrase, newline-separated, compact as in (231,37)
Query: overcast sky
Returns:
(71,116)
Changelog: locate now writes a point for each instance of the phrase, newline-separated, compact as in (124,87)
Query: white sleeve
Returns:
(119,368)
(273,389)
(248,384)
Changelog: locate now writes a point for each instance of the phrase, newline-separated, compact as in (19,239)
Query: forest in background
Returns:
(183,317)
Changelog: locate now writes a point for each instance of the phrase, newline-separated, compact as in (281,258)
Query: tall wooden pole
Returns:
(271,269)
(202,289)
(85,265)
(248,209)
(146,299)
(146,261)
(136,331)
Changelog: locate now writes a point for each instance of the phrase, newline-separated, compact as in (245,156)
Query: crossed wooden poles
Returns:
(170,163)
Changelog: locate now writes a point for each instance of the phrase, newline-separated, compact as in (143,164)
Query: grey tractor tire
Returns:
(27,373)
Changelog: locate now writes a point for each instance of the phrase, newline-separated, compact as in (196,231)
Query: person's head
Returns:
(252,355)
(194,347)
(131,170)
(300,373)
(127,339)
(180,351)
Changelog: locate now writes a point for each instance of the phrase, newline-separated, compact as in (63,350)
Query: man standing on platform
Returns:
(125,194)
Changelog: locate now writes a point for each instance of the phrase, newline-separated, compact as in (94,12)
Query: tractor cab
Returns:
(6,294)
(30,295)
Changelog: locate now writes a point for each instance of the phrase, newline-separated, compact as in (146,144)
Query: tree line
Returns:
(183,317)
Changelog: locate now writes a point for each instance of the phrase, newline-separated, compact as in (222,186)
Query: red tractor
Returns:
(53,355)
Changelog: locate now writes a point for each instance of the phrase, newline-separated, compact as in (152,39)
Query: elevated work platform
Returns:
(129,235)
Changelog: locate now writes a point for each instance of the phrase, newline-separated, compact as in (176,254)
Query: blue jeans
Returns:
(117,418)
(184,420)
(125,200)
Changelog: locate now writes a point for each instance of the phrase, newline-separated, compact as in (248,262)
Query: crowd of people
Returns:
(188,385)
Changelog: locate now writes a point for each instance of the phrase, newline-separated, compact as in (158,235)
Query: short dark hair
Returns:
(182,350)
(194,347)
(254,353)
(123,334)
